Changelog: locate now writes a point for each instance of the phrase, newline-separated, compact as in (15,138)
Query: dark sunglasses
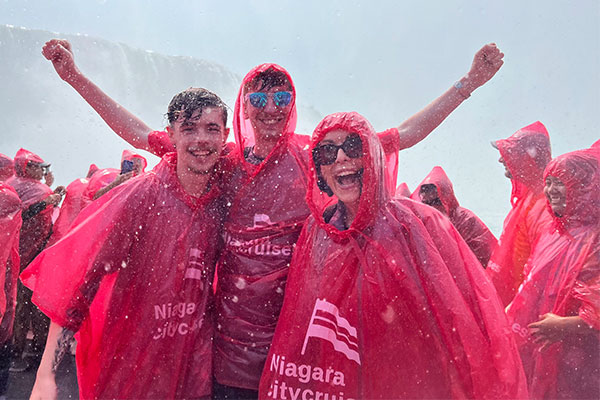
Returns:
(326,154)
(259,99)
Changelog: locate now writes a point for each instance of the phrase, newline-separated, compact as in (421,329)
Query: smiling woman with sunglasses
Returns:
(383,299)
(340,171)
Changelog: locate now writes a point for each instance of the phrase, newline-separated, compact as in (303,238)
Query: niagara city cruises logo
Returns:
(181,317)
(260,246)
(327,324)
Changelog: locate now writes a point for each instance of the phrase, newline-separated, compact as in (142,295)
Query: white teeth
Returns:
(346,173)
(200,153)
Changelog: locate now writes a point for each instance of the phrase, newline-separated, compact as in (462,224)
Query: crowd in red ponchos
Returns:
(293,267)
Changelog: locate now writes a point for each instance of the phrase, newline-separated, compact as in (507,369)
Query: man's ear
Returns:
(225,135)
(171,134)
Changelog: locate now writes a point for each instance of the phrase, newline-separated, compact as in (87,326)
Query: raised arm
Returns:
(486,63)
(129,127)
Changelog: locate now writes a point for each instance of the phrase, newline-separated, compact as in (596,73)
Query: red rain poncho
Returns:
(131,155)
(7,168)
(526,154)
(477,235)
(35,231)
(266,216)
(145,253)
(564,279)
(105,176)
(80,193)
(397,306)
(10,224)
(403,190)
(101,178)
(73,203)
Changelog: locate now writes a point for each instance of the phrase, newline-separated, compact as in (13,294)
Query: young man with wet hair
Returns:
(137,270)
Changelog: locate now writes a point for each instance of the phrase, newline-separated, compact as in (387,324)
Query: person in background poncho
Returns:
(38,203)
(269,174)
(10,225)
(525,154)
(137,269)
(132,164)
(384,299)
(7,169)
(436,190)
(555,315)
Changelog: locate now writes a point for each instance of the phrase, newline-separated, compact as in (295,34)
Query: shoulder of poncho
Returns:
(416,208)
(310,223)
(300,140)
(464,214)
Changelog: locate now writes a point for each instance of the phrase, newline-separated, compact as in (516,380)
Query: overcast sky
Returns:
(384,59)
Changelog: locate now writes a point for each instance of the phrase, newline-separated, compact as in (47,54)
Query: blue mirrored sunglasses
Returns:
(259,99)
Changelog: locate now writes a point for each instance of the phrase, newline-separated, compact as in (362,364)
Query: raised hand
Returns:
(59,52)
(486,63)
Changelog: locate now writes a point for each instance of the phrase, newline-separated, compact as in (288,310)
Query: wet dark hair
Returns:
(268,79)
(184,104)
(321,183)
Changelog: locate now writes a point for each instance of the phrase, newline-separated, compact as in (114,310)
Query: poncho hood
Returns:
(526,154)
(130,156)
(92,170)
(438,177)
(403,190)
(23,157)
(374,193)
(242,127)
(579,172)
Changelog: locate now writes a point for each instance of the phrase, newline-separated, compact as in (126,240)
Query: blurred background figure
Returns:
(132,164)
(436,191)
(38,203)
(10,224)
(524,155)
(7,168)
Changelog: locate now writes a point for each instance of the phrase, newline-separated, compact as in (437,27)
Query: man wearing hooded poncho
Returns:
(384,298)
